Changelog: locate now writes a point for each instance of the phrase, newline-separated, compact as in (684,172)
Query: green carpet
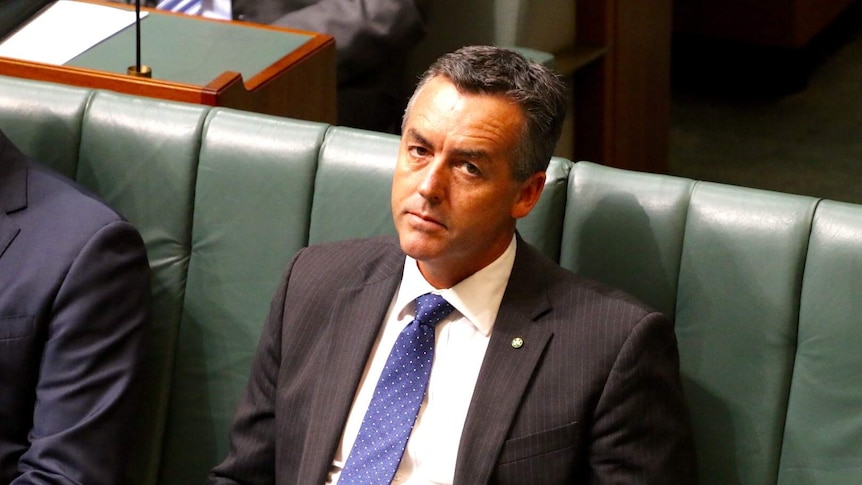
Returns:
(802,136)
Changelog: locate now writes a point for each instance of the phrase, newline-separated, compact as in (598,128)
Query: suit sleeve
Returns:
(251,458)
(368,33)
(642,430)
(87,381)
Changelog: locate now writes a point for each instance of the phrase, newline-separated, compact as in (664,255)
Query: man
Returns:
(74,299)
(538,376)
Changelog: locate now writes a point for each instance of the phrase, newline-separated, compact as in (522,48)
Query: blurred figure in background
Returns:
(372,39)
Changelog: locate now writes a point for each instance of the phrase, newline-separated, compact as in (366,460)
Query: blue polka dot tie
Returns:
(397,397)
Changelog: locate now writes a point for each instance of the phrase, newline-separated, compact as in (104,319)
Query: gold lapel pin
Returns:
(517,342)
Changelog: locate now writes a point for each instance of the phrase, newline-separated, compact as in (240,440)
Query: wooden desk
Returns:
(234,64)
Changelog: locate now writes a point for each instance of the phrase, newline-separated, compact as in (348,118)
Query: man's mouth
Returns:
(425,219)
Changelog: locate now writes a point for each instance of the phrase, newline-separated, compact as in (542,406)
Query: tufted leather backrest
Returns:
(44,120)
(250,214)
(763,286)
(764,291)
(626,229)
(823,429)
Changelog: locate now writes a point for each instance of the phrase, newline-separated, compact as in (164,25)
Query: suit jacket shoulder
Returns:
(26,183)
(74,296)
(535,279)
(319,271)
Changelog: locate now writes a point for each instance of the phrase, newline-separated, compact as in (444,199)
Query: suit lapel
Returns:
(516,345)
(13,190)
(357,315)
(8,231)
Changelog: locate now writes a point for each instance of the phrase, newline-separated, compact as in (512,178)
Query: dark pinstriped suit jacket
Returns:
(593,395)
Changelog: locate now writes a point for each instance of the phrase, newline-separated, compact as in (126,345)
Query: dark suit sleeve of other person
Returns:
(368,33)
(372,41)
(74,304)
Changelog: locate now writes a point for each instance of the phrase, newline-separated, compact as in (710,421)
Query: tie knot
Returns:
(431,308)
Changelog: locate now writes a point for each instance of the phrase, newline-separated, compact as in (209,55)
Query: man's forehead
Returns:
(441,96)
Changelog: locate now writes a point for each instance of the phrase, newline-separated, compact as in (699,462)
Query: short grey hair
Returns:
(538,90)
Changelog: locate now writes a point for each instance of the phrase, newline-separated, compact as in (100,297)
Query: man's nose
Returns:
(434,181)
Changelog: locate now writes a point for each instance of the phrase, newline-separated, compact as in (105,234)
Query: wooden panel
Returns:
(301,84)
(641,82)
(622,100)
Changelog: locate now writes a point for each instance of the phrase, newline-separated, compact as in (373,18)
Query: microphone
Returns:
(138,69)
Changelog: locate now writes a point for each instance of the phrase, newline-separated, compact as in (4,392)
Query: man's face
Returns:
(454,198)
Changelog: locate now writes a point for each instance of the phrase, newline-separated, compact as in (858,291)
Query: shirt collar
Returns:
(477,297)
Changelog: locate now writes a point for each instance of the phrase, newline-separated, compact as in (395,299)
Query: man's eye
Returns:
(471,169)
(418,151)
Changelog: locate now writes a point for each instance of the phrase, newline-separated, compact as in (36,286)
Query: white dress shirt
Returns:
(217,9)
(460,343)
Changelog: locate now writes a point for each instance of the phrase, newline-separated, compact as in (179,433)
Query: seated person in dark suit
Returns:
(455,352)
(372,39)
(13,13)
(74,302)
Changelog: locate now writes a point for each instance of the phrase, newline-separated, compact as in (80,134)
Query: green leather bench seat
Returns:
(351,193)
(44,120)
(626,229)
(763,287)
(143,159)
(739,283)
(252,200)
(823,431)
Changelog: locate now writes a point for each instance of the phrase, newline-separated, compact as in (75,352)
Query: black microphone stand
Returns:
(138,69)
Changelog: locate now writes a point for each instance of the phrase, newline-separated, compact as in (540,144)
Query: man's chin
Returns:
(419,247)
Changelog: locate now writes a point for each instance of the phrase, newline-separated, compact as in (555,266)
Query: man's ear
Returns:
(528,195)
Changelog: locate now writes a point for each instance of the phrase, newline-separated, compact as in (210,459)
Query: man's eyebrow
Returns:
(470,154)
(465,153)
(415,136)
